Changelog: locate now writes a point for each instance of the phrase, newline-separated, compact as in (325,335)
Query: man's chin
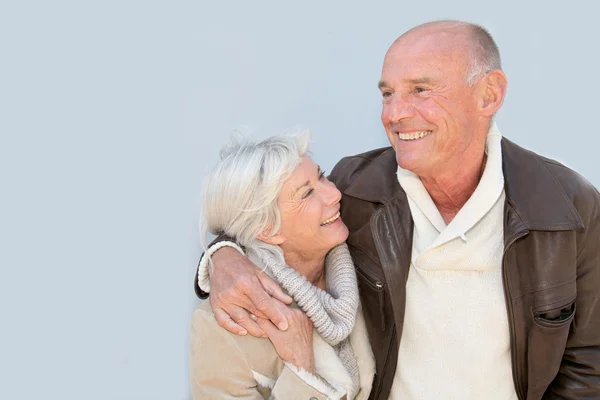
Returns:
(408,162)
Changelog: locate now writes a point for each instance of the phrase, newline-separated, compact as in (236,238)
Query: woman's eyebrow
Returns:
(301,186)
(319,170)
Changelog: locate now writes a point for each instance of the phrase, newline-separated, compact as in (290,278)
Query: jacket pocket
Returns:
(556,316)
(552,313)
(554,307)
(377,286)
(372,288)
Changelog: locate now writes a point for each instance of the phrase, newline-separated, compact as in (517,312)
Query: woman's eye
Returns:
(308,193)
(322,175)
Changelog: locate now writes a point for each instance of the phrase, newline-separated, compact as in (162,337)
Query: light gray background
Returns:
(111,111)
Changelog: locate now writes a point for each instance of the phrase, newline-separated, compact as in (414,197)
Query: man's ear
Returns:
(274,239)
(493,90)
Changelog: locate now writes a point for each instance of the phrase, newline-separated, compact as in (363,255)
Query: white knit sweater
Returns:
(455,343)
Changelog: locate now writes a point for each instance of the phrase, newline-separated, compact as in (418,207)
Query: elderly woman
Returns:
(279,206)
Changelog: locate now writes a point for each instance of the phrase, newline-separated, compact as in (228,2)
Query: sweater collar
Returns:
(484,197)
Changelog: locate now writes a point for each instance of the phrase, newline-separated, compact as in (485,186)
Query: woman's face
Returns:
(310,220)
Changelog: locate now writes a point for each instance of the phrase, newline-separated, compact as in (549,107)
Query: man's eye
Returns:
(420,90)
(308,193)
(386,94)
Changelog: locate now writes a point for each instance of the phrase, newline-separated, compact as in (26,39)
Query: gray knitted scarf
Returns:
(332,312)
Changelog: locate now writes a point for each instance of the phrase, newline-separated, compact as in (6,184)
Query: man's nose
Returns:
(400,108)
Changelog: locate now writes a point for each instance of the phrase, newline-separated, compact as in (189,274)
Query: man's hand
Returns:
(239,288)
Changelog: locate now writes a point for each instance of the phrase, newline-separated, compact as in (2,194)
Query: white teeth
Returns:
(413,135)
(331,220)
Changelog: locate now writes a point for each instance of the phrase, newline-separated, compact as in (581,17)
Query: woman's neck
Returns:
(313,269)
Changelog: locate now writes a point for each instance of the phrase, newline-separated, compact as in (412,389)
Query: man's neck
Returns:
(451,189)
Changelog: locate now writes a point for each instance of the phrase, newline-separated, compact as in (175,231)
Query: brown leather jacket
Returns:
(551,268)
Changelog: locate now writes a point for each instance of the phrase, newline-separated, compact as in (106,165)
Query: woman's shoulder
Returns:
(259,353)
(203,310)
(203,320)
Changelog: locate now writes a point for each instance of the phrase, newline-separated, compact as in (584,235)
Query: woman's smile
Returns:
(331,220)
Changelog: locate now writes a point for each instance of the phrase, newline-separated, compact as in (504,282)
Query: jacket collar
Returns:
(378,183)
(534,193)
(531,188)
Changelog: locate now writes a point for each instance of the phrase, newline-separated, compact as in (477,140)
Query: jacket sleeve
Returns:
(202,279)
(219,370)
(579,373)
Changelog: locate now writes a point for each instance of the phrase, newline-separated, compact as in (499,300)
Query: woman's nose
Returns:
(332,194)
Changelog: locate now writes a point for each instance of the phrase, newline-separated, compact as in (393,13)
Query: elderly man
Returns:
(478,261)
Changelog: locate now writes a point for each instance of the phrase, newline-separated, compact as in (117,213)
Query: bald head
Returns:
(441,85)
(465,39)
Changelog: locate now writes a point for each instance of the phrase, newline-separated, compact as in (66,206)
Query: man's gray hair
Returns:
(485,55)
(241,193)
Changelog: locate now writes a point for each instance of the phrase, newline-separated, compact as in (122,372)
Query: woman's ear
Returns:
(493,91)
(274,239)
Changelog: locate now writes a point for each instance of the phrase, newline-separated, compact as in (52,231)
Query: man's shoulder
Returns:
(517,157)
(531,176)
(571,180)
(582,193)
(348,169)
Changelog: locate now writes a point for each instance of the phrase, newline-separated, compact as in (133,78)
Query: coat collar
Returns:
(531,189)
(329,366)
(534,192)
(378,183)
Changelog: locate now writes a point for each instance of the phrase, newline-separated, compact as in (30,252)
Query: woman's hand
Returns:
(295,345)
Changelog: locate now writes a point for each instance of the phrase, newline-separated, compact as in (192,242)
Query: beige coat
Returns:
(228,366)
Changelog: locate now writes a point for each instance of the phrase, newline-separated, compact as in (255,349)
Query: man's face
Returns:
(429,111)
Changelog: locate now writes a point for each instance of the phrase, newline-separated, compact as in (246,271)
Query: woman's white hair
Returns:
(241,192)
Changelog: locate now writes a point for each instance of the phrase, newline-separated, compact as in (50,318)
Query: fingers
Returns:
(233,297)
(242,318)
(273,289)
(242,286)
(227,323)
(265,304)
(268,327)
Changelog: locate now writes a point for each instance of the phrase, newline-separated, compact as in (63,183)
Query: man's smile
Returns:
(413,135)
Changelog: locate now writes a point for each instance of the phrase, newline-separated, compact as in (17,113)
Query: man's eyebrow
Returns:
(415,81)
(419,81)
